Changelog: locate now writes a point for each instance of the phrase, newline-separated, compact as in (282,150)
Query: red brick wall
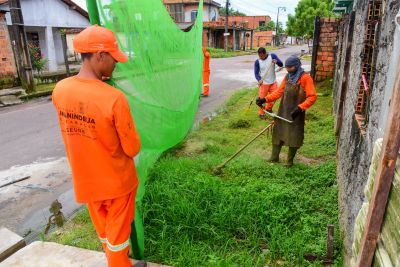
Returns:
(262,38)
(325,62)
(205,37)
(7,65)
(251,22)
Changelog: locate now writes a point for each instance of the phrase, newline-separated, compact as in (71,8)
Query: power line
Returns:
(253,5)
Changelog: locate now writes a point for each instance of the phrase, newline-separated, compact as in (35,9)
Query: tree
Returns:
(232,12)
(302,23)
(271,26)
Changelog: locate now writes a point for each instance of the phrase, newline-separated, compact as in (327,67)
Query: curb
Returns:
(36,95)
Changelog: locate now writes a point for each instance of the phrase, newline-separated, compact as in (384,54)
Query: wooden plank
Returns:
(383,180)
(317,28)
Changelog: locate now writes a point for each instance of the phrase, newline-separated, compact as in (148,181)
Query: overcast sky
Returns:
(251,7)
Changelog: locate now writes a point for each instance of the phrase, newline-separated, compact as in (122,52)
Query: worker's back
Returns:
(100,138)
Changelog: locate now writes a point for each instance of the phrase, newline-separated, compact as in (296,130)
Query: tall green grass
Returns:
(255,213)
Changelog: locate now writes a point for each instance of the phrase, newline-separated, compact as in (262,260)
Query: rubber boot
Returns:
(276,149)
(291,153)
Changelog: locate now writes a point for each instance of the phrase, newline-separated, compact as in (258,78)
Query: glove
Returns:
(296,112)
(260,101)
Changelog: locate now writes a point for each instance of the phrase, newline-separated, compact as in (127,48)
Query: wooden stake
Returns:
(329,246)
(383,180)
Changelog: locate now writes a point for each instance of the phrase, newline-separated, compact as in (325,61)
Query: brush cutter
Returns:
(218,169)
(273,115)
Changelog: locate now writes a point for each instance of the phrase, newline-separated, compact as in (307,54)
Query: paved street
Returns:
(31,145)
(230,74)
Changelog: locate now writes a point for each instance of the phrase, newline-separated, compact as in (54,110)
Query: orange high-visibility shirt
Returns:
(206,60)
(100,138)
(306,82)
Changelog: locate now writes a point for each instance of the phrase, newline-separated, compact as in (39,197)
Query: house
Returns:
(185,11)
(44,20)
(243,30)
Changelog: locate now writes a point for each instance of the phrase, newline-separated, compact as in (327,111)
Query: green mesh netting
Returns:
(162,79)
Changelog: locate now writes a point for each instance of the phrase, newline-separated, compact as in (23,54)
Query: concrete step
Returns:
(17,91)
(9,243)
(11,96)
(43,254)
(8,100)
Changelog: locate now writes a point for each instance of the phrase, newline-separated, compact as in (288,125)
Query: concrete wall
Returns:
(354,151)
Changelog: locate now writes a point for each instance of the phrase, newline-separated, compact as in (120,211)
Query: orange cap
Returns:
(98,39)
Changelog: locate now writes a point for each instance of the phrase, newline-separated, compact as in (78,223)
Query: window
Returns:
(213,16)
(176,12)
(193,15)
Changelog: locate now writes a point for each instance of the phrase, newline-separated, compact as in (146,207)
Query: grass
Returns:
(254,214)
(220,53)
(306,57)
(45,87)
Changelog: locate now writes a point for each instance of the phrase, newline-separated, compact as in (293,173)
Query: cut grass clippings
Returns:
(254,214)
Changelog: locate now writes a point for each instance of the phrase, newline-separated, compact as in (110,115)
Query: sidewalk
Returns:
(43,254)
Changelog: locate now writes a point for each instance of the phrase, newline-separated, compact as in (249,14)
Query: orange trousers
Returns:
(112,219)
(206,82)
(264,90)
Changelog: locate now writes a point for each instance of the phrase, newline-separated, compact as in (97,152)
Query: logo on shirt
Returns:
(74,116)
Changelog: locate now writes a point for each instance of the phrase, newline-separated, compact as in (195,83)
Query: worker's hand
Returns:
(260,101)
(274,61)
(104,78)
(296,112)
(260,82)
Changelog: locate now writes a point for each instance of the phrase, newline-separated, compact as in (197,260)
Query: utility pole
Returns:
(21,52)
(277,24)
(226,34)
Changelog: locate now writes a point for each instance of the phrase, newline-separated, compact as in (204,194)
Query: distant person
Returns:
(264,71)
(100,140)
(206,73)
(298,94)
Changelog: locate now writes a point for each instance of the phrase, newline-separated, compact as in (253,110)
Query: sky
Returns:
(251,7)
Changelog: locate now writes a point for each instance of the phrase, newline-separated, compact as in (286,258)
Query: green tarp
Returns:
(162,79)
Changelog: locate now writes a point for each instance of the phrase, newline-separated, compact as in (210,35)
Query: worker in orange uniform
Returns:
(298,94)
(100,140)
(206,72)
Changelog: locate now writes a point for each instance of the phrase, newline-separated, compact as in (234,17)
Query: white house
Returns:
(43,20)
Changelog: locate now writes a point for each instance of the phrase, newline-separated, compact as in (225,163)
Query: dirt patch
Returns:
(308,161)
(190,148)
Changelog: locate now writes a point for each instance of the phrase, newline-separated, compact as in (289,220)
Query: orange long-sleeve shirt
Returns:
(206,60)
(100,138)
(306,82)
